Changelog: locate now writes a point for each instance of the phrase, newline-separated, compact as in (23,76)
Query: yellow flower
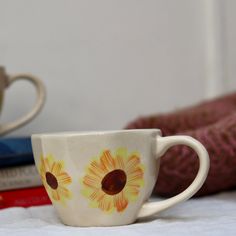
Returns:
(54,178)
(111,182)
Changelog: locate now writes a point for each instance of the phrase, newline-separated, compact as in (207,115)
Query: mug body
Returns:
(97,178)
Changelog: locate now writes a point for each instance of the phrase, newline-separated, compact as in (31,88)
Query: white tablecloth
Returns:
(215,215)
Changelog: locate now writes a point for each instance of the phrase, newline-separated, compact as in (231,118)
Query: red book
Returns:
(24,197)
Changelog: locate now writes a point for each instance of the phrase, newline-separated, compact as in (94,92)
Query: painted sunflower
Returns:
(54,178)
(113,181)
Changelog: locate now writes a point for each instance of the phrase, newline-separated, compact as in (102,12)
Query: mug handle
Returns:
(164,143)
(41,96)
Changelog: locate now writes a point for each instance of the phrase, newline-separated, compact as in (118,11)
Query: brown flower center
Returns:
(51,180)
(114,182)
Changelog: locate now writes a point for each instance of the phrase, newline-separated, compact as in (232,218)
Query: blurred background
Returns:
(106,62)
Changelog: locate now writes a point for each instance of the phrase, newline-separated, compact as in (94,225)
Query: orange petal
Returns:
(134,179)
(91,182)
(120,202)
(94,177)
(133,184)
(132,162)
(64,178)
(96,170)
(96,194)
(56,168)
(105,203)
(120,163)
(135,174)
(133,190)
(107,161)
(100,198)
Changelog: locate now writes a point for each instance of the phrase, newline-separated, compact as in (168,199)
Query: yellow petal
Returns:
(43,177)
(56,168)
(122,152)
(42,167)
(55,195)
(64,192)
(131,192)
(47,164)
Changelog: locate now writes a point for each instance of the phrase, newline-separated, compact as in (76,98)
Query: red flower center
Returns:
(114,182)
(51,180)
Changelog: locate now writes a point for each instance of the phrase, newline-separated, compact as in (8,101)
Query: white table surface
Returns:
(214,215)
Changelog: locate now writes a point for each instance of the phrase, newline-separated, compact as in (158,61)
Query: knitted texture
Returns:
(188,118)
(213,123)
(180,164)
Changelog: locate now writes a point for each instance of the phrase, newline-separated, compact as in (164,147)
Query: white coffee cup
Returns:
(105,178)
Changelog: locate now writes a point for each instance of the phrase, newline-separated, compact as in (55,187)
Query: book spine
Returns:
(11,160)
(24,198)
(19,177)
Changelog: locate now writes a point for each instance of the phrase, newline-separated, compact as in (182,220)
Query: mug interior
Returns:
(82,133)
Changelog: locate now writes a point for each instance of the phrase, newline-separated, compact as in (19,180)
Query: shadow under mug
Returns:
(105,178)
(5,82)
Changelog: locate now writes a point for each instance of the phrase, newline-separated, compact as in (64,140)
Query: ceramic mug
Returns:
(105,178)
(5,82)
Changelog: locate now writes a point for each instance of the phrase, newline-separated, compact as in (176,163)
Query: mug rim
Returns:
(84,133)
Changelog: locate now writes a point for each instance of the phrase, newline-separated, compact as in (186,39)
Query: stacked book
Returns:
(20,184)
